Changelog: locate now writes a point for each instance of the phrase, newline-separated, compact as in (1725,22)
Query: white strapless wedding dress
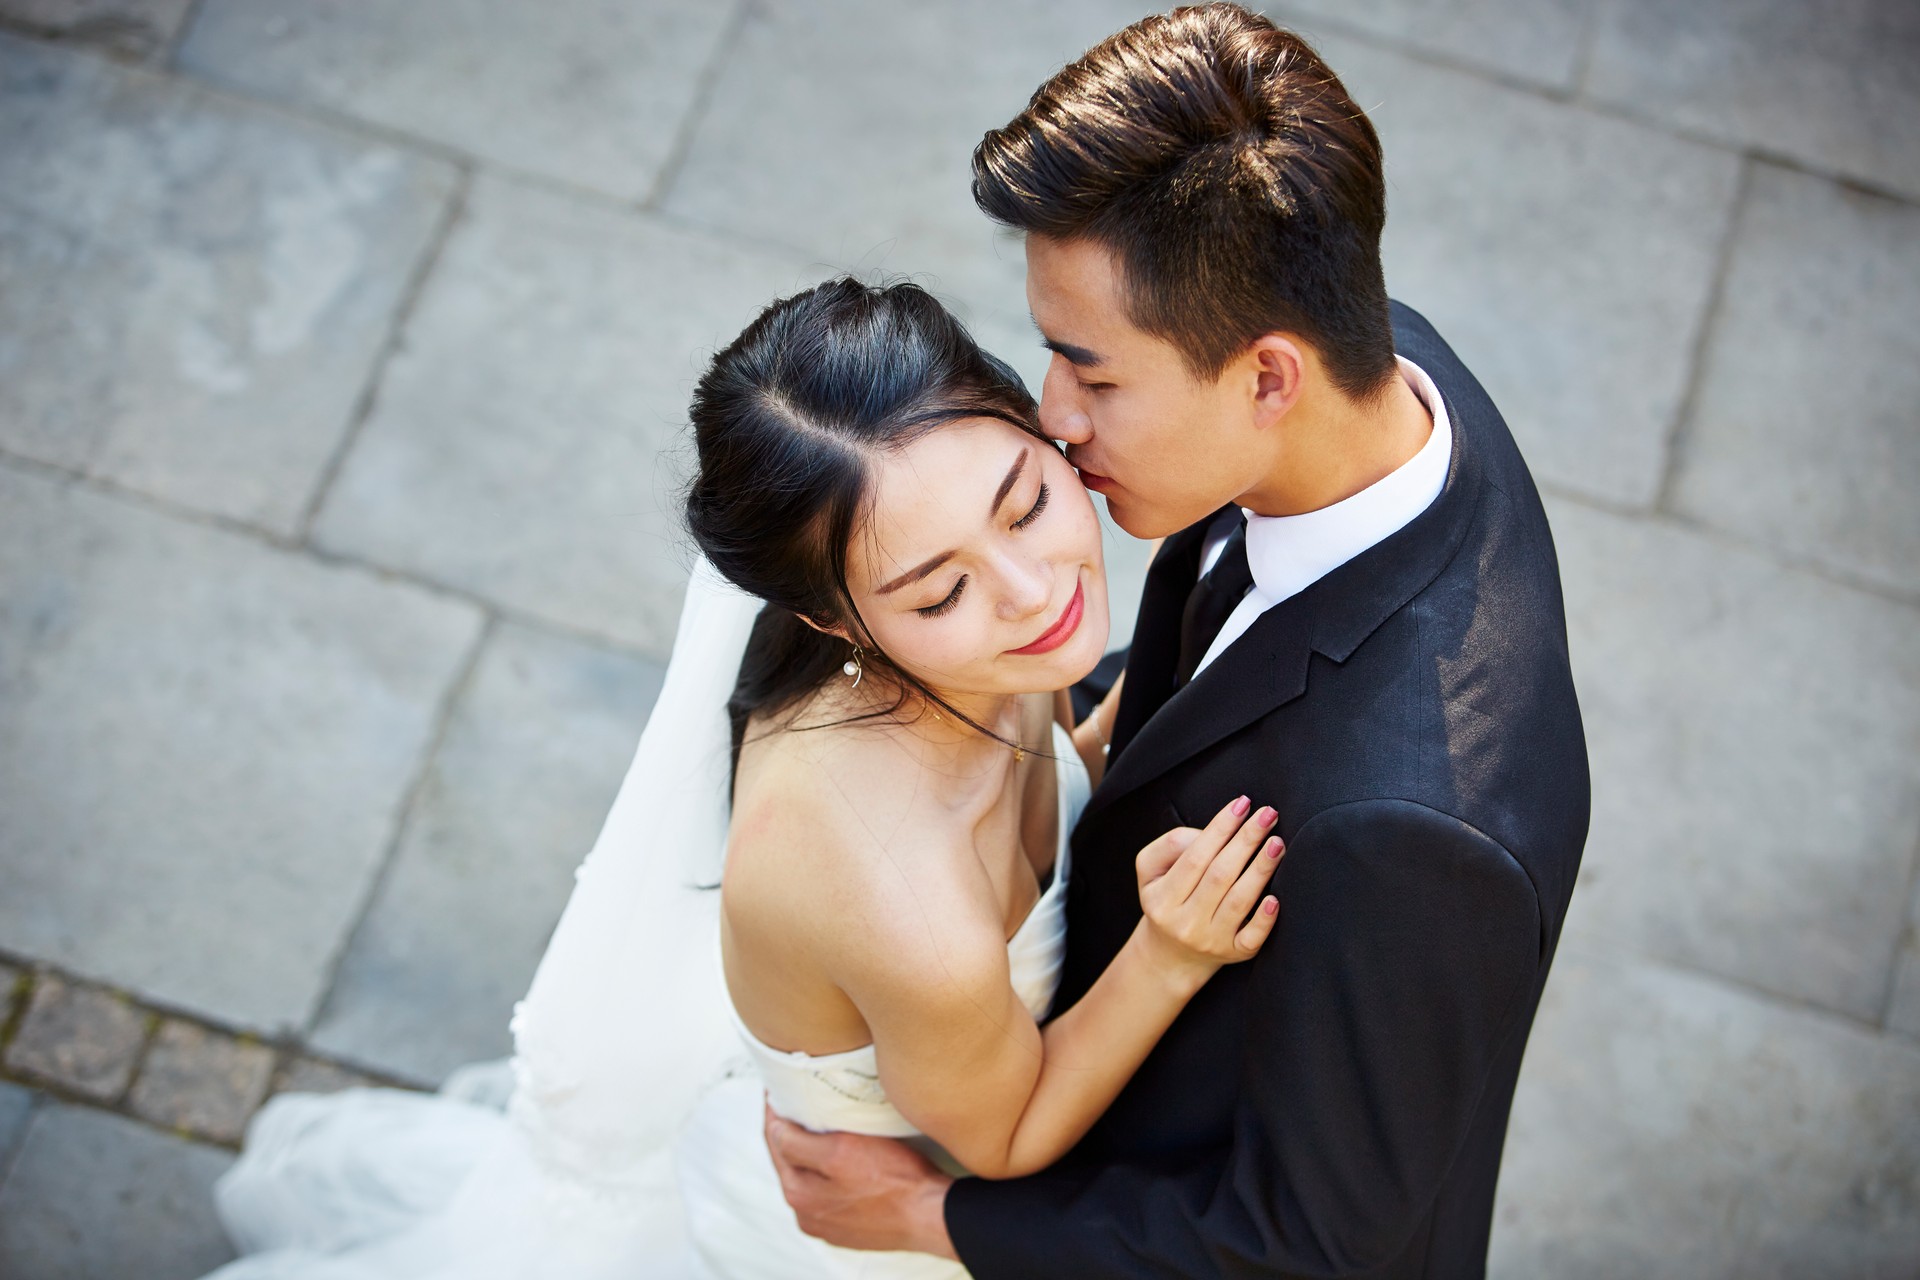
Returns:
(610,1151)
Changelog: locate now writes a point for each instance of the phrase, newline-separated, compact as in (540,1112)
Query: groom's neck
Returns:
(1330,447)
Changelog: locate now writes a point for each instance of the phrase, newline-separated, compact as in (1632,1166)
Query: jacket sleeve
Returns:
(1406,951)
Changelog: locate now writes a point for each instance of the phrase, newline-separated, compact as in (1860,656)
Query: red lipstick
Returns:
(1061,631)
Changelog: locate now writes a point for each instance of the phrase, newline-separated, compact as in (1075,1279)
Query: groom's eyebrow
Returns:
(1078,356)
(1000,495)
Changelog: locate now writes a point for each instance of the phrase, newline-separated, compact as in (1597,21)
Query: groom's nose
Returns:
(1061,416)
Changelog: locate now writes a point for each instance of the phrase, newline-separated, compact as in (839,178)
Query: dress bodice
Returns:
(842,1090)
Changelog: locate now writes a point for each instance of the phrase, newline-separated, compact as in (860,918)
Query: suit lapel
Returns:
(1258,672)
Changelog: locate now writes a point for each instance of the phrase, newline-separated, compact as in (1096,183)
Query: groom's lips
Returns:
(1062,631)
(1093,479)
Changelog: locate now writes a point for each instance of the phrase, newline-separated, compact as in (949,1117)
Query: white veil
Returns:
(625,1026)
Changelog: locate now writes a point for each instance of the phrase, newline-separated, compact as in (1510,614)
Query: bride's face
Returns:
(979,566)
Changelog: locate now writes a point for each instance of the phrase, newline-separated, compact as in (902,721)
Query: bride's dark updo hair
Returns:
(788,421)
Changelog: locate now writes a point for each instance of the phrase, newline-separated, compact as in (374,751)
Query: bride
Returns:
(863,743)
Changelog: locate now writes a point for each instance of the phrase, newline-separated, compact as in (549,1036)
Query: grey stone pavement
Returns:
(343,353)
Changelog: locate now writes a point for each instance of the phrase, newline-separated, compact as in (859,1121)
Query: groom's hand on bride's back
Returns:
(860,1192)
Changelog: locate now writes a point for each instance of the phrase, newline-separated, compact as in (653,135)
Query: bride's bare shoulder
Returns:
(836,837)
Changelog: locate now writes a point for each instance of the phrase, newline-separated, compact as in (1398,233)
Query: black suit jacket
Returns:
(1335,1107)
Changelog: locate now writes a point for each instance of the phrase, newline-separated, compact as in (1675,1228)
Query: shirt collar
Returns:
(1290,553)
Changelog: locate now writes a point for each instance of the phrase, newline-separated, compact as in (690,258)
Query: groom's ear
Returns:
(1278,366)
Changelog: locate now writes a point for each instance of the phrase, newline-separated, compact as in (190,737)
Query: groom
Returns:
(1356,618)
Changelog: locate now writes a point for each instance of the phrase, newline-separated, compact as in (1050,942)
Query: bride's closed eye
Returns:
(1039,505)
(953,597)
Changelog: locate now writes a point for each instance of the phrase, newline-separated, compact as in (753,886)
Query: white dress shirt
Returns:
(1288,554)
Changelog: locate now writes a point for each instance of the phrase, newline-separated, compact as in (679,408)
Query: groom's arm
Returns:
(1407,948)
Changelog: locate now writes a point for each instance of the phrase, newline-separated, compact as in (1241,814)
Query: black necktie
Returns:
(1213,598)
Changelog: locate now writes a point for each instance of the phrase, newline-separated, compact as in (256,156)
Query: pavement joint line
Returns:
(450,216)
(1606,950)
(321,555)
(1901,940)
(1795,562)
(698,104)
(79,41)
(1589,40)
(1304,23)
(1582,101)
(285,1049)
(450,701)
(181,30)
(1680,427)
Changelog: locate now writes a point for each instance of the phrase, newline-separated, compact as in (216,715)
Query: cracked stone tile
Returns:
(200,1081)
(1488,190)
(197,289)
(128,28)
(93,1194)
(1668,1125)
(529,442)
(1752,731)
(1834,85)
(1804,434)
(80,1038)
(590,93)
(206,745)
(519,788)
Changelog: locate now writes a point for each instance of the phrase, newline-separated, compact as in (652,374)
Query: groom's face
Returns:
(1164,447)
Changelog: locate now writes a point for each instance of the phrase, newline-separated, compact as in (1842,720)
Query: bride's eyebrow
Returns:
(1000,495)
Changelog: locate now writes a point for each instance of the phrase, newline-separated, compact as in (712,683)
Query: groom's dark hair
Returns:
(1231,176)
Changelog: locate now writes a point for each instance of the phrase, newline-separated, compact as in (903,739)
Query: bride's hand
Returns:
(1199,889)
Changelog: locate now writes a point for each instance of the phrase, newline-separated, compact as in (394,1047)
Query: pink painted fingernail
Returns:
(1270,906)
(1240,807)
(1266,817)
(1274,846)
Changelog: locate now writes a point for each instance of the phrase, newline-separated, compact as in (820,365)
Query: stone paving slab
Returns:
(127,28)
(1575,297)
(1535,40)
(847,130)
(201,1082)
(1667,1125)
(205,748)
(1806,432)
(529,441)
(196,290)
(593,94)
(518,790)
(1752,732)
(93,1196)
(1835,85)
(83,1039)
(16,1105)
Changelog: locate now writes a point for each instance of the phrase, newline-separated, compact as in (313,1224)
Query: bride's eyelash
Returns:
(953,598)
(1039,505)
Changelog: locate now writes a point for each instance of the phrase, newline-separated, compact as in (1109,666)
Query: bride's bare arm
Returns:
(964,1061)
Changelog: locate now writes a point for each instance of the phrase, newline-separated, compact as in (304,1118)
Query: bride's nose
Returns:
(1029,588)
